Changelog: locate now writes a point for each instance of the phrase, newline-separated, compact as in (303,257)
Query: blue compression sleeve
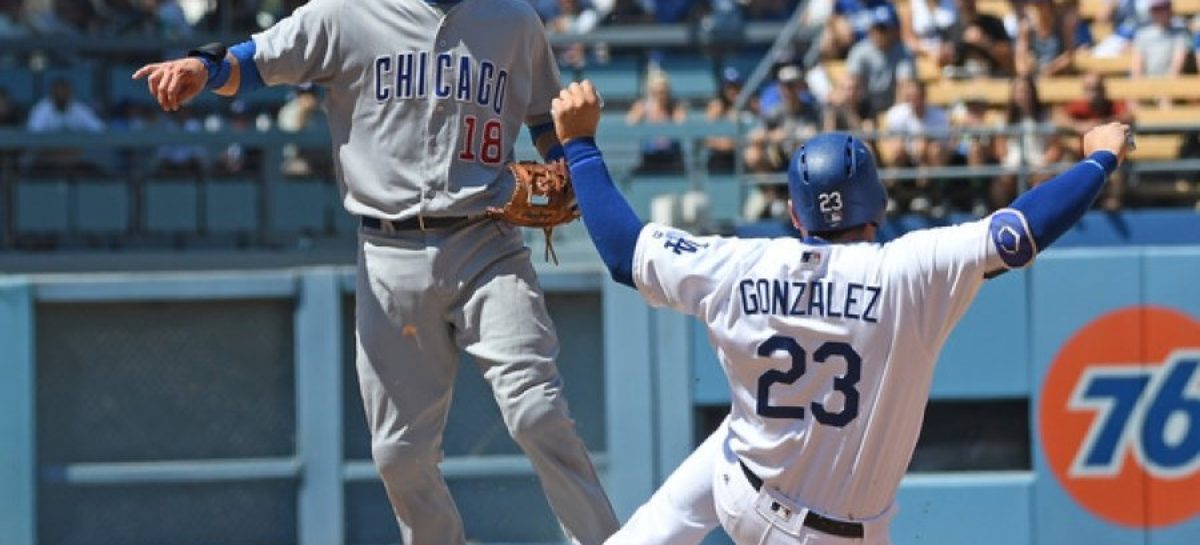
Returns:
(1053,207)
(251,79)
(612,224)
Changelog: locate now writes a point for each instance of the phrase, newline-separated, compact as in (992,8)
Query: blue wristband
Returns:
(1105,160)
(218,73)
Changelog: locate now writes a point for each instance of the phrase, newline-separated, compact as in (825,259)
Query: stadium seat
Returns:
(299,206)
(231,206)
(18,82)
(998,8)
(42,206)
(1175,115)
(102,207)
(1109,66)
(171,206)
(1178,88)
(1090,9)
(947,92)
(692,78)
(620,79)
(1160,147)
(1059,89)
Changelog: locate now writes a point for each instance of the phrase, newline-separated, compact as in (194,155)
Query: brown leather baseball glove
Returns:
(542,197)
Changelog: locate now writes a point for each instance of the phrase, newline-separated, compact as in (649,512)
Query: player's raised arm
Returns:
(1053,207)
(298,49)
(212,67)
(611,222)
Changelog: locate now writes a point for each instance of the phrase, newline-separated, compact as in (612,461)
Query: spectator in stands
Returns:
(570,17)
(974,145)
(659,105)
(63,17)
(977,44)
(722,149)
(236,159)
(917,134)
(1046,38)
(1094,107)
(768,10)
(1160,47)
(301,112)
(11,22)
(1035,143)
(1123,18)
(60,112)
(850,22)
(169,18)
(9,116)
(624,11)
(782,124)
(928,26)
(672,11)
(185,160)
(846,107)
(882,59)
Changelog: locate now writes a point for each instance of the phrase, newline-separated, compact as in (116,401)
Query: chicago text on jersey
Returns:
(416,74)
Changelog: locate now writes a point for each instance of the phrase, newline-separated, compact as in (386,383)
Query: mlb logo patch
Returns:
(810,258)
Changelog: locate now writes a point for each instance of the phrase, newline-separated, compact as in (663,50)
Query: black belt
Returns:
(417,223)
(813,520)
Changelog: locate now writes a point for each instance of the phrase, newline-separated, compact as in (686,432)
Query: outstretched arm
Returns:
(611,222)
(1053,207)
(174,83)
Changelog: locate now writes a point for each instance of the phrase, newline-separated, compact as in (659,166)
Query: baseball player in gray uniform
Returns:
(424,103)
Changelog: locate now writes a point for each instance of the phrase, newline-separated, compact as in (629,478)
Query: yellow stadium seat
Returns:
(927,68)
(998,8)
(1151,147)
(1089,9)
(1109,66)
(1100,30)
(1060,89)
(946,92)
(1180,88)
(835,70)
(1176,115)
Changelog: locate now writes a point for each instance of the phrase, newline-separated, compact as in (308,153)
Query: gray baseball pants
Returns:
(421,297)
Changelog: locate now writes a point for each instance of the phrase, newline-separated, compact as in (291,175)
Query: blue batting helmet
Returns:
(833,184)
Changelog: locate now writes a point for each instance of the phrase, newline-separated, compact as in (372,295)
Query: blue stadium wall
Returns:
(135,409)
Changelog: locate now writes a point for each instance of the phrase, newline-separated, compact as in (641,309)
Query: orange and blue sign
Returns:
(1119,417)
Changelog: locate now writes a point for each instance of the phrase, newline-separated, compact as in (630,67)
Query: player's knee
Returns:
(537,421)
(399,459)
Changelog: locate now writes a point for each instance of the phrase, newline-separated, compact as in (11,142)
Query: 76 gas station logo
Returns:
(1152,413)
(1119,416)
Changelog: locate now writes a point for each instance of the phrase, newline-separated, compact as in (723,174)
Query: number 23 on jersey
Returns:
(825,354)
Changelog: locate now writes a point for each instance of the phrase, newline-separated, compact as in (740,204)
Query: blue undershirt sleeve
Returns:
(611,222)
(1054,206)
(251,79)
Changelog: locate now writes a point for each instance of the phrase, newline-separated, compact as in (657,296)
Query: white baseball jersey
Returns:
(829,348)
(424,106)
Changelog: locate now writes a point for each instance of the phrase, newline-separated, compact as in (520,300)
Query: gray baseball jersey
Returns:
(424,106)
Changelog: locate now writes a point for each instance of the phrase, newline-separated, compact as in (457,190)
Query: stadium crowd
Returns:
(871,69)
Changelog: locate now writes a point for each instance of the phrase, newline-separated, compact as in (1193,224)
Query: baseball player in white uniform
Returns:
(424,103)
(828,341)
